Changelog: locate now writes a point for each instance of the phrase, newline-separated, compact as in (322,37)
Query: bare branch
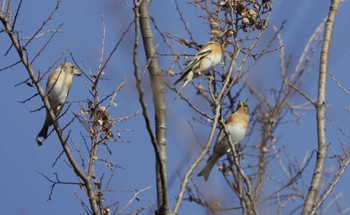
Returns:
(331,184)
(321,111)
(339,85)
(303,94)
(159,139)
(136,196)
(43,24)
(55,182)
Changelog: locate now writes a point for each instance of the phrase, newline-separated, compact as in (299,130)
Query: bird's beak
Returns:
(76,73)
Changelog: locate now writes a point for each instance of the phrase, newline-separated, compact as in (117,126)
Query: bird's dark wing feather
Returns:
(199,56)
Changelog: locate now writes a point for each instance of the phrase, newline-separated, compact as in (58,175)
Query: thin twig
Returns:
(136,196)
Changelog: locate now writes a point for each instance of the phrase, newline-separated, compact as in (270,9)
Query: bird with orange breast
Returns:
(203,62)
(236,127)
(57,89)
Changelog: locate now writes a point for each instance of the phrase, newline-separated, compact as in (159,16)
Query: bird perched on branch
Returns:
(236,127)
(57,89)
(203,62)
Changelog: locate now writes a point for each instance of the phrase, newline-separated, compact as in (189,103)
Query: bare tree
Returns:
(242,24)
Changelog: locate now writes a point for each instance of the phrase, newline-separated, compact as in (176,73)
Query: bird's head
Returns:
(244,106)
(70,69)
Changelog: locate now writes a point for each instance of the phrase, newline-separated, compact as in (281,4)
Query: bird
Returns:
(236,127)
(203,62)
(57,89)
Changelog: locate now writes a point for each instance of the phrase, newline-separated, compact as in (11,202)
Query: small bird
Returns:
(236,127)
(203,62)
(57,89)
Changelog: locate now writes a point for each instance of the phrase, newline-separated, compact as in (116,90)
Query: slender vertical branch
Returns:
(3,3)
(321,110)
(159,107)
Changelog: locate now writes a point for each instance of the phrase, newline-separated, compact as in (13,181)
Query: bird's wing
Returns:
(222,142)
(195,60)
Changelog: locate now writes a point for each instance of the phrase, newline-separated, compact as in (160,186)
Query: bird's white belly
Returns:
(209,64)
(236,133)
(57,94)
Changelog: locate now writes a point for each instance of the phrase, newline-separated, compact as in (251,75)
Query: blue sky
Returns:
(24,191)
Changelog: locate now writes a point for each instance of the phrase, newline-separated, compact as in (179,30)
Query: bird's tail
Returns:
(181,88)
(178,80)
(208,167)
(45,128)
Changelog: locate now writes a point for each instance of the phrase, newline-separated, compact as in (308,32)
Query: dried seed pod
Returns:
(252,14)
(266,4)
(240,7)
(185,57)
(223,3)
(171,73)
(229,33)
(215,32)
(258,25)
(106,211)
(245,21)
(214,24)
(261,25)
(91,132)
